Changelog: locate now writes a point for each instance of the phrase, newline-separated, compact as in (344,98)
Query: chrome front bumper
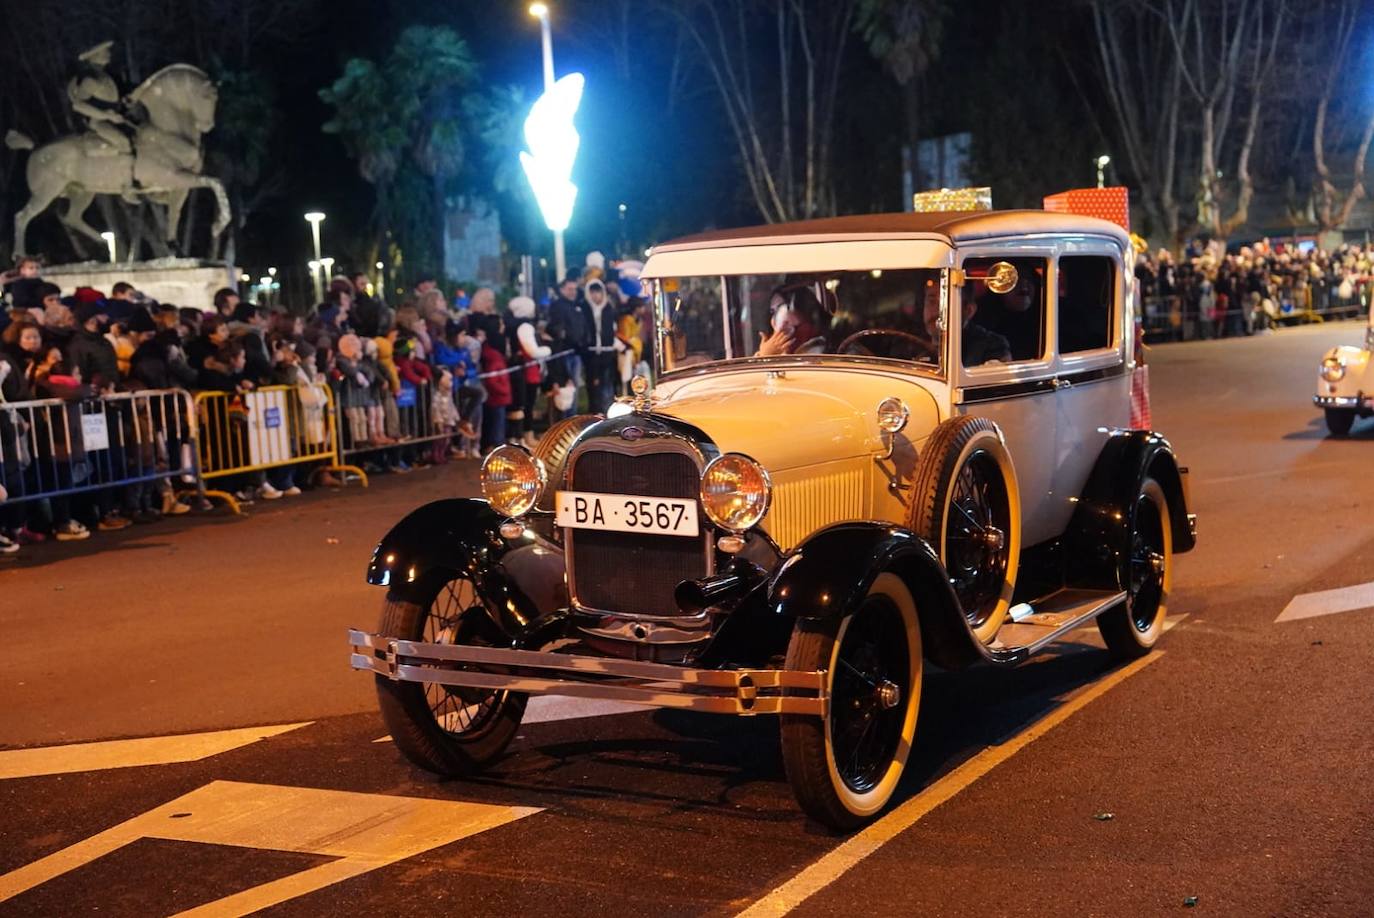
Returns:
(738,691)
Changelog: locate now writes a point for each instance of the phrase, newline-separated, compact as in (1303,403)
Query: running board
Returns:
(1050,619)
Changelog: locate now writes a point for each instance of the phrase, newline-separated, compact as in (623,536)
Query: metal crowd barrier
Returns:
(267,428)
(367,424)
(51,448)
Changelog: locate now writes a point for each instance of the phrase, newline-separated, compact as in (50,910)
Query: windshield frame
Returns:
(663,327)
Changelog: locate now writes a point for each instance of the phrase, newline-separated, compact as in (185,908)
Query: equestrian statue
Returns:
(144,145)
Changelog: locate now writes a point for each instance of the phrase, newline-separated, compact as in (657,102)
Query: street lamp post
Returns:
(541,12)
(381,281)
(315,218)
(109,238)
(326,273)
(1101,163)
(624,239)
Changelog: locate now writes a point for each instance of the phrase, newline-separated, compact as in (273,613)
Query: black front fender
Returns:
(519,580)
(830,573)
(1099,535)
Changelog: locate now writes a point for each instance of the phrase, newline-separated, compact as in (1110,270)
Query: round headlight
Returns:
(1333,369)
(892,415)
(735,492)
(512,480)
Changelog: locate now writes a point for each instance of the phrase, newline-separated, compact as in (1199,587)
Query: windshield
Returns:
(888,314)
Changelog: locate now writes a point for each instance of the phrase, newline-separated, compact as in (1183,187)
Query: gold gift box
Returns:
(952,199)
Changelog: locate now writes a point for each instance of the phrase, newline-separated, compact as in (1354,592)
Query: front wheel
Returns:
(844,767)
(1339,421)
(449,730)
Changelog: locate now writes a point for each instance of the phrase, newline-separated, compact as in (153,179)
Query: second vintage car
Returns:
(873,443)
(1345,383)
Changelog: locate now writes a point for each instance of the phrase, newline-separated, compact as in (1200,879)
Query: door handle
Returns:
(1063,383)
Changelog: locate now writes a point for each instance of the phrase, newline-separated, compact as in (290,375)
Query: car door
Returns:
(1015,389)
(1093,387)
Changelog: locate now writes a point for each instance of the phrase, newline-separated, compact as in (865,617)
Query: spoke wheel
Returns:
(966,505)
(1131,629)
(449,730)
(975,537)
(844,768)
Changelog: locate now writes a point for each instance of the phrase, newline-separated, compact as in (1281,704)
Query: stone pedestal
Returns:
(180,281)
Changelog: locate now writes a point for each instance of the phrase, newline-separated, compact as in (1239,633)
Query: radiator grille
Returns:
(631,572)
(821,498)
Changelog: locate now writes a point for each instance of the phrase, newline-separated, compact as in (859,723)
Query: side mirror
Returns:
(1002,277)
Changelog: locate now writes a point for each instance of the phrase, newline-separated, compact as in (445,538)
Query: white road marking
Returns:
(831,866)
(130,753)
(363,831)
(548,708)
(1328,602)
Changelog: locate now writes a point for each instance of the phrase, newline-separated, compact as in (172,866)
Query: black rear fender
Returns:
(519,580)
(829,574)
(1098,538)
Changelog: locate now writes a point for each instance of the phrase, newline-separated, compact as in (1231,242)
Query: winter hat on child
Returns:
(522,307)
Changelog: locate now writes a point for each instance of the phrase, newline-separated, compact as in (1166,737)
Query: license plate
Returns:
(627,513)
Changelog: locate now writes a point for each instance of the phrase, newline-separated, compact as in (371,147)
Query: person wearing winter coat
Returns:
(461,354)
(491,331)
(525,348)
(90,353)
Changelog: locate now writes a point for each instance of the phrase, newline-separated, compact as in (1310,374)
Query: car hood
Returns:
(796,420)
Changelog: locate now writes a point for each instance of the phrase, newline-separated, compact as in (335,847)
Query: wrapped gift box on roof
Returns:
(952,199)
(1112,204)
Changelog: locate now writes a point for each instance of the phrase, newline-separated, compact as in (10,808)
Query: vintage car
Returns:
(1345,384)
(873,443)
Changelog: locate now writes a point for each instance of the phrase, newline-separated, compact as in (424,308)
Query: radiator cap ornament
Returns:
(643,396)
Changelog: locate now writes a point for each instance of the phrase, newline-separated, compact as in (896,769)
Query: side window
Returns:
(1087,288)
(1003,327)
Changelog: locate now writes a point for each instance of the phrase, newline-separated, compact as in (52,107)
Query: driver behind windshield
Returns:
(795,316)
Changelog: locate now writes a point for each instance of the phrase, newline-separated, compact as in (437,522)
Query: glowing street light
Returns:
(326,271)
(109,243)
(315,218)
(1101,163)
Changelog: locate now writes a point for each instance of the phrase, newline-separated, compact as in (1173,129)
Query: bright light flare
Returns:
(552,140)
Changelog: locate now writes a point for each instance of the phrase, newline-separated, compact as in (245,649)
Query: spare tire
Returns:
(553,449)
(965,503)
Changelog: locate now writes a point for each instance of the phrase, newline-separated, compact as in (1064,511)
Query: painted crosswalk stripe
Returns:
(1328,602)
(362,831)
(130,753)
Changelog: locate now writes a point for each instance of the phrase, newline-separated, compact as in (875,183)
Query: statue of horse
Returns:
(175,108)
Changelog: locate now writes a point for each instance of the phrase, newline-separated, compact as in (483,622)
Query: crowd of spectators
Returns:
(1212,293)
(485,372)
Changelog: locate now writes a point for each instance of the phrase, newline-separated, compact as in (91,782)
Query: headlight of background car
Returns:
(512,480)
(1333,369)
(735,492)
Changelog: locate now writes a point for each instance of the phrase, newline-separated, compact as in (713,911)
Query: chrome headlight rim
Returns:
(1333,368)
(767,492)
(528,498)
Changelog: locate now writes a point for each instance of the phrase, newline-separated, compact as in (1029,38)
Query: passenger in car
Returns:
(978,344)
(1015,315)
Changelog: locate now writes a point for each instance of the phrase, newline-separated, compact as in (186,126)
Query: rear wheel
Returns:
(1131,629)
(449,730)
(845,766)
(965,503)
(1339,421)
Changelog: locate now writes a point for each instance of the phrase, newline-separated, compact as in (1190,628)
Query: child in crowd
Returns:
(354,385)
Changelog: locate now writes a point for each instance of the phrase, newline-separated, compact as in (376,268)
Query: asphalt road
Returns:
(1236,765)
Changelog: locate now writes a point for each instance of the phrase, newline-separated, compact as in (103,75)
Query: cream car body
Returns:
(1345,382)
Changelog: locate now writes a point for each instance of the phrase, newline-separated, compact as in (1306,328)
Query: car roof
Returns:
(950,226)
